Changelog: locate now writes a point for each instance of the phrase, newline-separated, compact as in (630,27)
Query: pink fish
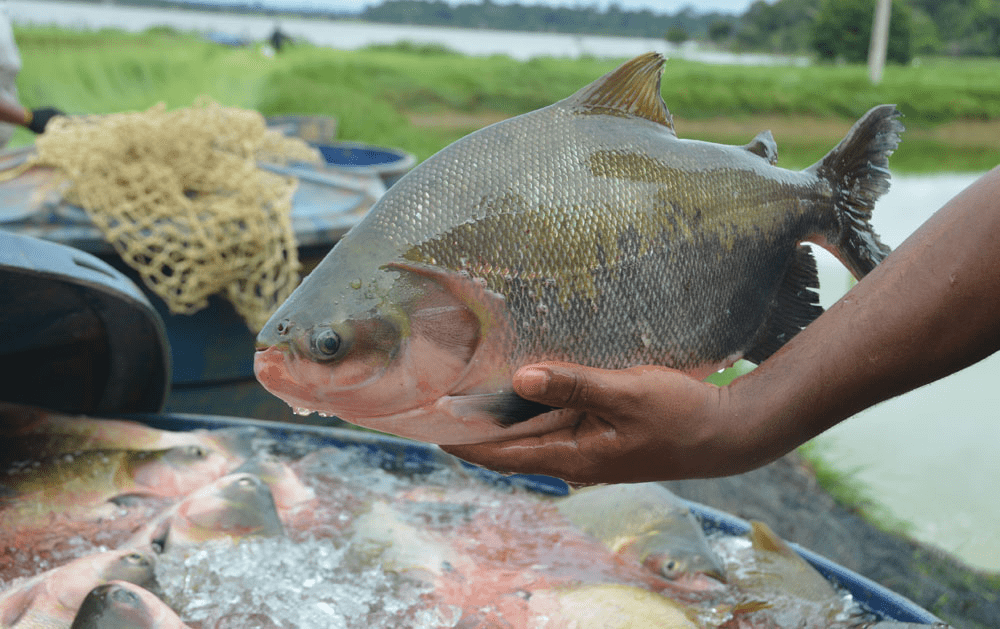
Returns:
(77,483)
(123,605)
(29,431)
(51,599)
(234,506)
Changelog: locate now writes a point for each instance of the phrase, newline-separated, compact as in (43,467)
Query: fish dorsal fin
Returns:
(764,539)
(764,145)
(631,90)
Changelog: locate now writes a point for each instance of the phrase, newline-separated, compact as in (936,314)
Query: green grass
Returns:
(849,492)
(371,91)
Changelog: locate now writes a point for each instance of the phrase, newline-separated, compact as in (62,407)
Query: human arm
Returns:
(930,309)
(34,119)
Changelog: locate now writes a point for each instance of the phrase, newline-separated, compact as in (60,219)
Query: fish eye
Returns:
(325,344)
(246,482)
(123,596)
(671,569)
(136,558)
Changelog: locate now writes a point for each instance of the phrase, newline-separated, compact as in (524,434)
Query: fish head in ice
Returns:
(132,565)
(178,470)
(651,524)
(237,505)
(122,604)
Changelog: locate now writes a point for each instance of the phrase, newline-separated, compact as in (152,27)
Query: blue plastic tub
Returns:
(404,455)
(388,163)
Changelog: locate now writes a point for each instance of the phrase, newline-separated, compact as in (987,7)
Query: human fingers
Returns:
(558,453)
(567,385)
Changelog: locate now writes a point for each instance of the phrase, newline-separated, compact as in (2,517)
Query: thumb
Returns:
(563,385)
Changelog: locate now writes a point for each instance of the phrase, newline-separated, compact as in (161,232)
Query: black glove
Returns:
(41,116)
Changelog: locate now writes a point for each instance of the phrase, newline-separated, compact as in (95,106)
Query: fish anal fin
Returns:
(763,145)
(795,306)
(631,90)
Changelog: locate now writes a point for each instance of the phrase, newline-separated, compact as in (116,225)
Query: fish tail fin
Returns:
(858,170)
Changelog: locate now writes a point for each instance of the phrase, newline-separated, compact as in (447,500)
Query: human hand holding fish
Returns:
(631,424)
(930,309)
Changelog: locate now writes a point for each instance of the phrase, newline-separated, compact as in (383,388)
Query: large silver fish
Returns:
(585,231)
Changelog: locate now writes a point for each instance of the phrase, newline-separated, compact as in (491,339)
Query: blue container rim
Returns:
(417,457)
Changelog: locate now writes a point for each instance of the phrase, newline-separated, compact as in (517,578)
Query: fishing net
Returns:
(180,196)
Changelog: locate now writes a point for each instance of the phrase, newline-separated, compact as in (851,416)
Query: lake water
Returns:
(929,456)
(350,35)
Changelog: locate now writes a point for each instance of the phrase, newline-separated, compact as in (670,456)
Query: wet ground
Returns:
(787,495)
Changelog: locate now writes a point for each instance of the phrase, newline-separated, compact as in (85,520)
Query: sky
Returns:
(658,6)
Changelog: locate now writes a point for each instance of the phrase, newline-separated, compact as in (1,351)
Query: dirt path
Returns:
(786,496)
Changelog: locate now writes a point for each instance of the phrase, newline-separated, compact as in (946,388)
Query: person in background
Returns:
(279,39)
(11,110)
(931,308)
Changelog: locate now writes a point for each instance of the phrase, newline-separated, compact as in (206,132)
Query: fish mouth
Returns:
(270,366)
(446,421)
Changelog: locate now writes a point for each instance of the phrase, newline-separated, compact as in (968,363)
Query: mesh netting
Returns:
(181,198)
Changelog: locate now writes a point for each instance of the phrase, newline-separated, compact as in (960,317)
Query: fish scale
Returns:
(585,231)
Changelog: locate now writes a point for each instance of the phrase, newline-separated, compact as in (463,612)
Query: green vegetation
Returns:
(517,16)
(843,30)
(421,98)
(849,492)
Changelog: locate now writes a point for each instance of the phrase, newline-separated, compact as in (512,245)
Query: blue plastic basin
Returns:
(397,454)
(389,163)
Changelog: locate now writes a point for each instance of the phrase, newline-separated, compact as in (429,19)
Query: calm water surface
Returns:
(930,456)
(348,35)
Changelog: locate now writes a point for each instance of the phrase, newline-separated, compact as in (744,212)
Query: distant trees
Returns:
(957,27)
(781,27)
(614,20)
(843,30)
(676,35)
(833,29)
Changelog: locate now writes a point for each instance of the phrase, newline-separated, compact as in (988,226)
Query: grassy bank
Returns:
(422,98)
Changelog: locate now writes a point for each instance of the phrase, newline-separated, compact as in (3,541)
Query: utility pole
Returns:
(880,40)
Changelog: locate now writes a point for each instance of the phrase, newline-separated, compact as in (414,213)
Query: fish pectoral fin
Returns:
(794,306)
(505,408)
(764,146)
(453,328)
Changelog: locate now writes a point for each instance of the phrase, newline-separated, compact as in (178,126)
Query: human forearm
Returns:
(13,113)
(930,309)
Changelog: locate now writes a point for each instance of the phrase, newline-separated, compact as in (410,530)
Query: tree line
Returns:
(830,29)
(562,19)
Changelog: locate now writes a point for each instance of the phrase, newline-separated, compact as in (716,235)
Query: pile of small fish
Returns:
(109,523)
